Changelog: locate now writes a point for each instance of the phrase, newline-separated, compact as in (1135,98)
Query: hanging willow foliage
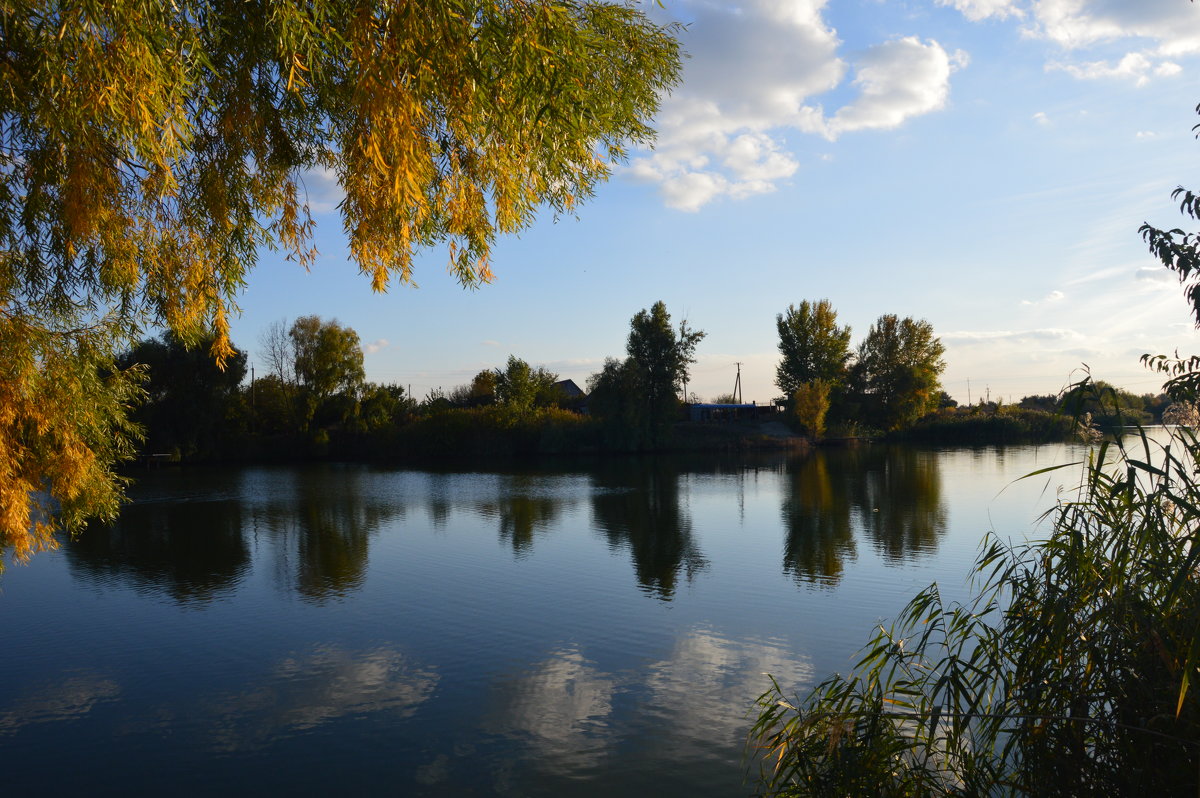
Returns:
(149,150)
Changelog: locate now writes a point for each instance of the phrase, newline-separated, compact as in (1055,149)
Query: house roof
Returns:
(569,388)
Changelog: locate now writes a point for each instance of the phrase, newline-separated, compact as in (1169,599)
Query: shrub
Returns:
(810,403)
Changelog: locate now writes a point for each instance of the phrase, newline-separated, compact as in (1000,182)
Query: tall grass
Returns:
(1071,672)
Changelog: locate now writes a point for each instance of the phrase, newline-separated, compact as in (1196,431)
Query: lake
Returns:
(574,628)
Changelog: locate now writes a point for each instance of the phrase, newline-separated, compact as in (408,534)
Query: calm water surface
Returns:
(590,629)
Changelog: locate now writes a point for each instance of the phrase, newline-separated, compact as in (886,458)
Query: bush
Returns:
(1005,425)
(1070,673)
(810,404)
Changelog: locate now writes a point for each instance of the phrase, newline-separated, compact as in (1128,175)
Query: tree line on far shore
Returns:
(314,398)
(891,384)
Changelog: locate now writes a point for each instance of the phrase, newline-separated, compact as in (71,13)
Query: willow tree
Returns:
(149,151)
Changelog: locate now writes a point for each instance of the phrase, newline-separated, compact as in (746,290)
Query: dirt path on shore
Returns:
(776,429)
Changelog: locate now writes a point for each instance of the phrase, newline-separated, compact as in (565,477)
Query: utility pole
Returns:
(968,393)
(252,408)
(737,385)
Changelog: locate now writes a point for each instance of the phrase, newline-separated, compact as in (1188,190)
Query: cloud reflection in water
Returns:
(305,692)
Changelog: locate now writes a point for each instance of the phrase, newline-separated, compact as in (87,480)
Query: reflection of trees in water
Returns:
(522,511)
(189,550)
(321,528)
(894,493)
(901,502)
(816,515)
(636,503)
(438,508)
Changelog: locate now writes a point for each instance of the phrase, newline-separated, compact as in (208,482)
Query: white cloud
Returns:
(976,10)
(319,188)
(1145,134)
(489,342)
(1053,296)
(688,191)
(1134,66)
(752,71)
(1041,118)
(377,345)
(1156,274)
(899,79)
(1149,31)
(1173,25)
(965,337)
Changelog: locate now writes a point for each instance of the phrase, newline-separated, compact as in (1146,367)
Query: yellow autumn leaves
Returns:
(149,151)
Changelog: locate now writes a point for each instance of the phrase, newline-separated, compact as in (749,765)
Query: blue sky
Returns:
(981,164)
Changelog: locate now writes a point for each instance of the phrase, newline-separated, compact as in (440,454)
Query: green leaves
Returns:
(897,370)
(812,346)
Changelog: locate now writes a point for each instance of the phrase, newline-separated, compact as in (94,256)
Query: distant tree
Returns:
(1047,402)
(725,399)
(480,391)
(897,370)
(1156,405)
(329,365)
(460,396)
(273,406)
(659,358)
(613,398)
(1107,404)
(188,396)
(278,352)
(520,388)
(383,406)
(637,398)
(483,387)
(435,401)
(813,346)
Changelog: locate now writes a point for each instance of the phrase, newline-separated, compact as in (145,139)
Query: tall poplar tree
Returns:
(659,359)
(148,151)
(812,345)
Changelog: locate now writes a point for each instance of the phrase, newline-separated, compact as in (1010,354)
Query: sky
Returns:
(983,165)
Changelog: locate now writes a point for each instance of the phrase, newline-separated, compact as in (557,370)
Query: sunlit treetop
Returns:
(149,150)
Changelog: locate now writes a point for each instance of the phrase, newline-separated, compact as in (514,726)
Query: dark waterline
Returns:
(582,631)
